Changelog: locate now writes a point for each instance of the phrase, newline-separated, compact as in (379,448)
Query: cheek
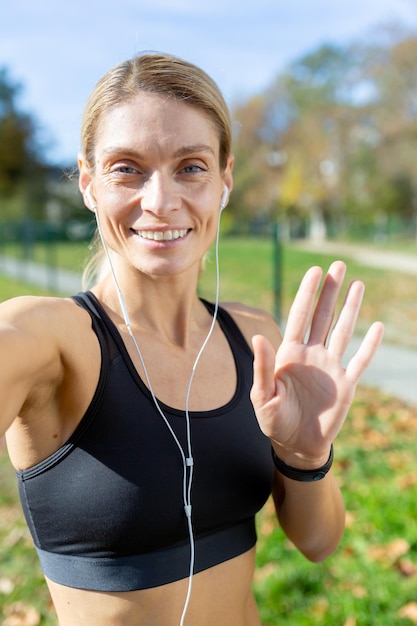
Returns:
(211,226)
(112,223)
(113,208)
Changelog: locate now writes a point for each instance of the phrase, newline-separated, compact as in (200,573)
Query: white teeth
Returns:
(166,235)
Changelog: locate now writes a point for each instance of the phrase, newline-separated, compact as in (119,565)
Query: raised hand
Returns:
(302,394)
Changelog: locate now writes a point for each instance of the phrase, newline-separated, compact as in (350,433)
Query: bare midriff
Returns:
(221,596)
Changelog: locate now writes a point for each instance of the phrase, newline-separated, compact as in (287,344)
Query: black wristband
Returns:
(302,475)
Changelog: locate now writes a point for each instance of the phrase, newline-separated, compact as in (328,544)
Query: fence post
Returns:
(277,271)
(51,260)
(28,238)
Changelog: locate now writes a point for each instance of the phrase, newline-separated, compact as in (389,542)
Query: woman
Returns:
(130,410)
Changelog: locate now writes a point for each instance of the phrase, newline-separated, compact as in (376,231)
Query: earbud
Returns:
(89,196)
(224,198)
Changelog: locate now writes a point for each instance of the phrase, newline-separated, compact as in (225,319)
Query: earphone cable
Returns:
(188,462)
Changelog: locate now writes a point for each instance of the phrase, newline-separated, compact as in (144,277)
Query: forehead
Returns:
(149,117)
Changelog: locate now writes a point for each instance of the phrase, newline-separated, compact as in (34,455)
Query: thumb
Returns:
(263,388)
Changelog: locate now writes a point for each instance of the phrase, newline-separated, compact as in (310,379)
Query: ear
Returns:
(84,180)
(227,174)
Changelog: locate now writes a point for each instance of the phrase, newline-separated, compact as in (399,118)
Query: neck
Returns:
(166,306)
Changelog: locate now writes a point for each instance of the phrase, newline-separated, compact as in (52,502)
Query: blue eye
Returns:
(189,169)
(126,169)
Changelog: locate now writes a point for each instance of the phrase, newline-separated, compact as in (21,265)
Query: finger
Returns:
(299,317)
(344,328)
(326,305)
(364,355)
(263,388)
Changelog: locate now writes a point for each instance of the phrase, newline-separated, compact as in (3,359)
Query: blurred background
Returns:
(323,99)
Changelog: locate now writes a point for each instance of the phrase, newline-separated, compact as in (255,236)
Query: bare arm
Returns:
(29,356)
(301,395)
(312,515)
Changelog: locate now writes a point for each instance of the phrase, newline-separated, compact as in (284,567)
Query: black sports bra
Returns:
(106,510)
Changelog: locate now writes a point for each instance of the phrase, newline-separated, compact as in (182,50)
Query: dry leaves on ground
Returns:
(409,611)
(21,614)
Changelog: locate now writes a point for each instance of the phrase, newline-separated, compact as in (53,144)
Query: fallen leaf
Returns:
(261,573)
(15,535)
(391,551)
(350,519)
(375,439)
(6,586)
(405,482)
(321,607)
(21,614)
(409,611)
(359,592)
(406,567)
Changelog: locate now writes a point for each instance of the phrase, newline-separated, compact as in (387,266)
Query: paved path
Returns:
(394,368)
(382,259)
(393,371)
(61,281)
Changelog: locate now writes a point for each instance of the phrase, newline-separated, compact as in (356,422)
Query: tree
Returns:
(22,170)
(335,135)
(296,143)
(392,68)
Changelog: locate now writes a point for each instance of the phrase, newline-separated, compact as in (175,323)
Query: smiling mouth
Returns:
(165,235)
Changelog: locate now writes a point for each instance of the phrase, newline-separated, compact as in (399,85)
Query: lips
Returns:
(159,235)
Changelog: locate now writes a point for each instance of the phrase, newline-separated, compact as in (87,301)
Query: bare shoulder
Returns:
(36,315)
(31,340)
(30,304)
(41,340)
(37,331)
(253,321)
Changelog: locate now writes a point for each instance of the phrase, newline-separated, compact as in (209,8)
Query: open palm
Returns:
(302,394)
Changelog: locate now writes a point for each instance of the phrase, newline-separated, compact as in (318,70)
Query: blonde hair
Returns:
(153,73)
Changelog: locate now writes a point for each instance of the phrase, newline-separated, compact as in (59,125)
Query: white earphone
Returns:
(88,195)
(186,453)
(224,198)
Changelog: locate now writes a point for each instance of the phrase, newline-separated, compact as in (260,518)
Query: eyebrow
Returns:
(183,151)
(196,148)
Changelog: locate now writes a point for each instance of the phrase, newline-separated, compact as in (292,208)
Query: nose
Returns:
(160,195)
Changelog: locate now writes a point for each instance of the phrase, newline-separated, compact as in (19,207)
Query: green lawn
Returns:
(370,581)
(246,274)
(372,578)
(68,255)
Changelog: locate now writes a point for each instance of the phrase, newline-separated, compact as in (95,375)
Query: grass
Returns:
(12,288)
(247,268)
(67,255)
(371,580)
(247,275)
(24,597)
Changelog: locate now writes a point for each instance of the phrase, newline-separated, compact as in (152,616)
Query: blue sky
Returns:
(59,50)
